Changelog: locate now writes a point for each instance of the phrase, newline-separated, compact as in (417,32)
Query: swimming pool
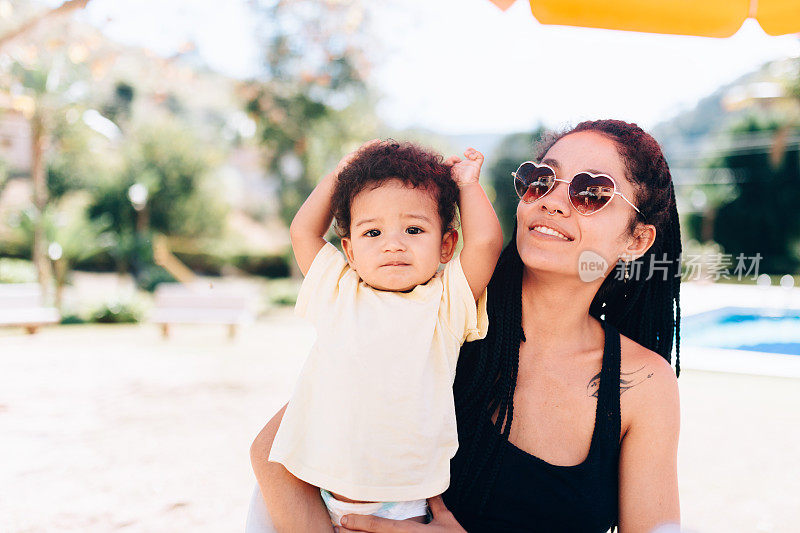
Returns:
(744,328)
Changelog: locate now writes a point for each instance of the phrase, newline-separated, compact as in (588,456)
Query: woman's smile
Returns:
(543,232)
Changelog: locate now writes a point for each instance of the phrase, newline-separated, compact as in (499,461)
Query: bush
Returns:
(17,271)
(175,167)
(283,292)
(761,216)
(100,262)
(117,313)
(211,264)
(72,318)
(203,263)
(15,247)
(151,276)
(268,266)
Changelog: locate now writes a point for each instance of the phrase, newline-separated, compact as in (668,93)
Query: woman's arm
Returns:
(648,463)
(293,504)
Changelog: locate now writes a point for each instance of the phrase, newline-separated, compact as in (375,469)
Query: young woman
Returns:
(568,410)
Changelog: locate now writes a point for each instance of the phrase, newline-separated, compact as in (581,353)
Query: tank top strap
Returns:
(608,408)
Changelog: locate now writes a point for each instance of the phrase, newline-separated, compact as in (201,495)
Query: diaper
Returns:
(393,510)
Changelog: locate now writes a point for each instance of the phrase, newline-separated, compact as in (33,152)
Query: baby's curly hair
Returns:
(413,165)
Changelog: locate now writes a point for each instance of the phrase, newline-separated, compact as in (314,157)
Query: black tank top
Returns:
(532,495)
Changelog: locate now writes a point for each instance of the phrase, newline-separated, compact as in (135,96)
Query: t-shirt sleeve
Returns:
(321,284)
(464,317)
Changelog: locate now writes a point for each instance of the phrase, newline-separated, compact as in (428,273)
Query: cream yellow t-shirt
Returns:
(372,415)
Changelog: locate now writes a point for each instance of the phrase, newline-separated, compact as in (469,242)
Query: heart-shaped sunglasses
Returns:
(588,192)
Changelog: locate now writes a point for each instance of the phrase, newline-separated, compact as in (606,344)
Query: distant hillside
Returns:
(691,137)
(696,134)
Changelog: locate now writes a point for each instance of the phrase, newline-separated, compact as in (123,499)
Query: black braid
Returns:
(645,310)
(476,395)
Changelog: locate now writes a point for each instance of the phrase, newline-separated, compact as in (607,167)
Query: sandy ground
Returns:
(114,429)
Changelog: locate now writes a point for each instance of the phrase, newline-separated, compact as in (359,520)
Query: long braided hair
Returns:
(646,309)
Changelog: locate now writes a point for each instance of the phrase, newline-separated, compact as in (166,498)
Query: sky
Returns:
(465,67)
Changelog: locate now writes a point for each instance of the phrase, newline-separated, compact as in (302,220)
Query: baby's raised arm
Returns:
(483,238)
(313,219)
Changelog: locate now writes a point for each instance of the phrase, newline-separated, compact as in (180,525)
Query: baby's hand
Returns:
(468,170)
(349,157)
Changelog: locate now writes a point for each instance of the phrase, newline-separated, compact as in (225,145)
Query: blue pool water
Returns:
(744,328)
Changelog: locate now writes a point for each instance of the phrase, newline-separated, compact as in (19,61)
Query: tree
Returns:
(3,174)
(72,237)
(762,215)
(512,150)
(314,104)
(170,167)
(30,25)
(81,158)
(44,81)
(44,74)
(120,108)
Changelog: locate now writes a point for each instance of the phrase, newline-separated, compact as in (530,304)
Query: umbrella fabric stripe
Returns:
(779,17)
(710,18)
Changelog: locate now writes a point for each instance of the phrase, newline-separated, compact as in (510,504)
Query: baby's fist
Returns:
(467,170)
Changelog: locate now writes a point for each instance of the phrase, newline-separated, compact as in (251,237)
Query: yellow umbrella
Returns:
(708,18)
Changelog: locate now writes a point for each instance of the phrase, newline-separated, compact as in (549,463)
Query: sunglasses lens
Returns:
(589,193)
(532,181)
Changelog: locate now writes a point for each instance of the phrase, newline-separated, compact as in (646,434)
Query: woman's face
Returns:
(604,233)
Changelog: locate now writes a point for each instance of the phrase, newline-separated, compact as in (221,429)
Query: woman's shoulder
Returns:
(635,357)
(648,387)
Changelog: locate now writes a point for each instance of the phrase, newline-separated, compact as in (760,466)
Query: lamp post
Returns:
(137,194)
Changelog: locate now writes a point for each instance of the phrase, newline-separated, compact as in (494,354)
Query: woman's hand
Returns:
(468,170)
(443,522)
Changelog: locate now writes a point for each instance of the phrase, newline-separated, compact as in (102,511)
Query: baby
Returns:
(371,420)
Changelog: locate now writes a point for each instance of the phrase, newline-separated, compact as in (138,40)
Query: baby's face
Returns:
(396,240)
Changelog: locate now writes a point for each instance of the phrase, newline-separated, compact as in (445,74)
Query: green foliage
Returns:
(282,292)
(150,276)
(101,262)
(71,235)
(83,159)
(119,108)
(315,105)
(112,311)
(512,150)
(269,266)
(762,216)
(3,173)
(173,165)
(68,319)
(212,263)
(202,262)
(17,271)
(117,313)
(692,226)
(32,77)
